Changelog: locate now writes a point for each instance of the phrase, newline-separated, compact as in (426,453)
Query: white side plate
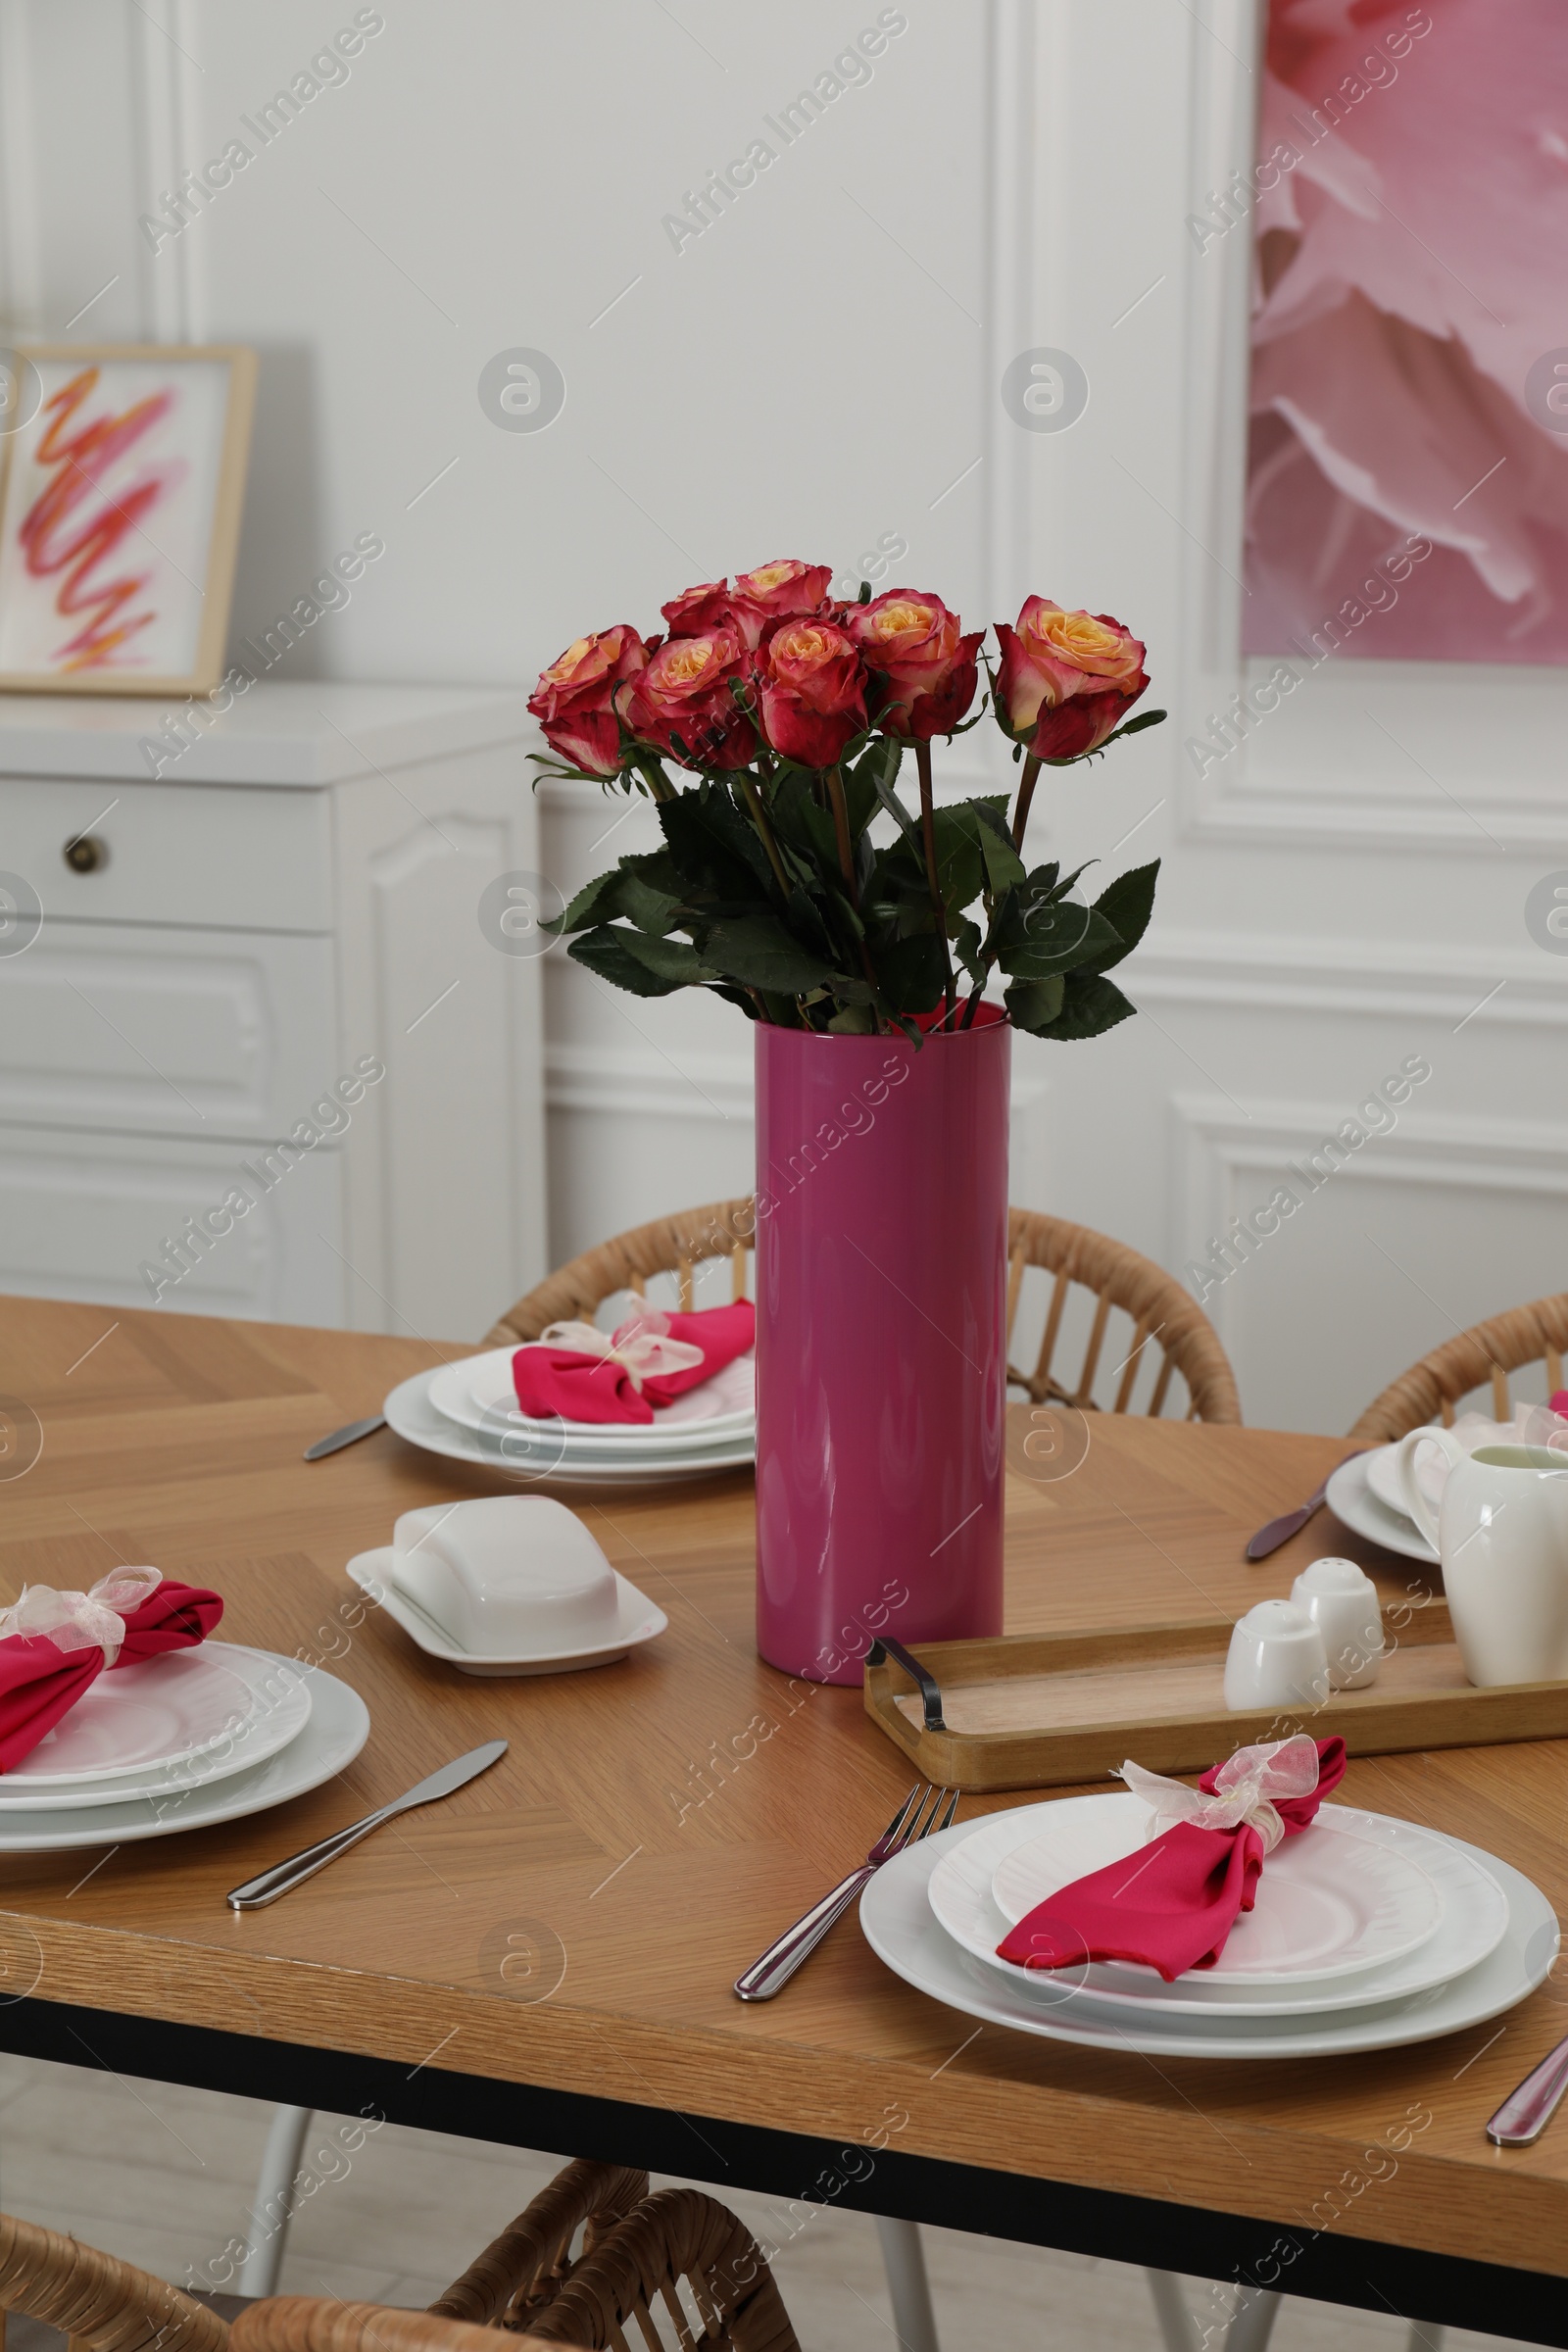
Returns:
(640,1621)
(1352,1499)
(283,1693)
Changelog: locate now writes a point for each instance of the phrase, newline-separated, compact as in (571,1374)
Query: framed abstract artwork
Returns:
(1407,468)
(121,485)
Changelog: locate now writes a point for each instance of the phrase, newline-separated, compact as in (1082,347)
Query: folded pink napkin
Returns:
(1173,1905)
(649,1360)
(53,1645)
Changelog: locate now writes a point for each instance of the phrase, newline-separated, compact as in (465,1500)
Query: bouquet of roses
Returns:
(793,714)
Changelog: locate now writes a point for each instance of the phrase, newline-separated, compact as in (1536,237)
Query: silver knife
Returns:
(348,1435)
(284,1875)
(1526,2111)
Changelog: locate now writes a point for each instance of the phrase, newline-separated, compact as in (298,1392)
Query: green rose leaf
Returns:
(643,966)
(1032,1004)
(758,950)
(1127,903)
(911,972)
(1090,1005)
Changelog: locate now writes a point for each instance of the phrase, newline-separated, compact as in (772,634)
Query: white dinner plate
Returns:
(639,1622)
(1327,1904)
(1475,1919)
(149,1715)
(278,1703)
(410,1413)
(479,1393)
(1351,1498)
(338,1730)
(899,1924)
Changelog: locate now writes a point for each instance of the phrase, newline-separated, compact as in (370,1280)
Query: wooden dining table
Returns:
(545,1958)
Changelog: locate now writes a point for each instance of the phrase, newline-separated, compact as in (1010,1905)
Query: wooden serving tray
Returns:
(1037,1710)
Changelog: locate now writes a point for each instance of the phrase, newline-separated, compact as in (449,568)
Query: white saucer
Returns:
(1475,1919)
(338,1730)
(269,1703)
(410,1414)
(640,1621)
(1329,1904)
(155,1714)
(1351,1498)
(899,1924)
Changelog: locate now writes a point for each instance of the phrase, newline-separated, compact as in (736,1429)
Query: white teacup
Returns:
(1277,1658)
(1342,1602)
(507,1576)
(1501,1533)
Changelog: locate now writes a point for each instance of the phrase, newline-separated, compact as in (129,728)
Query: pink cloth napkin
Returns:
(1173,1905)
(40,1681)
(600,1387)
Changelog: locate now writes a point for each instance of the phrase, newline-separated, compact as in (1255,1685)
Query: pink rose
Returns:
(685,691)
(776,592)
(813,690)
(574,698)
(1067,680)
(924,669)
(697,610)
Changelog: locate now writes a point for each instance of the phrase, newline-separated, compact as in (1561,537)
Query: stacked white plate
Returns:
(1367,1933)
(1364,1494)
(179,1742)
(468,1411)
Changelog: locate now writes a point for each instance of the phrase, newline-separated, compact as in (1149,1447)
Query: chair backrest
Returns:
(525,2268)
(681,2269)
(1483,1356)
(96,2298)
(1169,1330)
(686,2270)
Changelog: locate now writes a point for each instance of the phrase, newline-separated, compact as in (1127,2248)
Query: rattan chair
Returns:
(679,2268)
(1486,1353)
(1169,1330)
(95,2299)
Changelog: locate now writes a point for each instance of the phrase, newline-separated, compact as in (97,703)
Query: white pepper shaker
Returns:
(1342,1600)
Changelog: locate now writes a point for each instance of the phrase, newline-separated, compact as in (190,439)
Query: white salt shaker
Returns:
(1277,1658)
(1342,1602)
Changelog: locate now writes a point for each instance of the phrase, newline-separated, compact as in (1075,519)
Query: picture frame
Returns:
(121,490)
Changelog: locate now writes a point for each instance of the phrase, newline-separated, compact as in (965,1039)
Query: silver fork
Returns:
(922,1812)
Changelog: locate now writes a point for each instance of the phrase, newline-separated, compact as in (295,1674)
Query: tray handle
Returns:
(930,1689)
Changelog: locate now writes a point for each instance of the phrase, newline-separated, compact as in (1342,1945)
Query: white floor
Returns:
(163,2176)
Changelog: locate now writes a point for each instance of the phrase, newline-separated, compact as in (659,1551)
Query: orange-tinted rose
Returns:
(682,702)
(924,669)
(776,592)
(812,691)
(1067,680)
(574,698)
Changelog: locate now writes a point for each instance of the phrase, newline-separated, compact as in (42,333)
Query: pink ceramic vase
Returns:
(881,1266)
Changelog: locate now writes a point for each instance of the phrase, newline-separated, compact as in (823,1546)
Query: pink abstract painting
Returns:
(1409,372)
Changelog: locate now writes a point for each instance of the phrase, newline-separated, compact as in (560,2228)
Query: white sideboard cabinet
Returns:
(266,1046)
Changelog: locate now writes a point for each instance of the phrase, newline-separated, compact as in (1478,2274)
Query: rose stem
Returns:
(1026,793)
(928,831)
(841,827)
(753,801)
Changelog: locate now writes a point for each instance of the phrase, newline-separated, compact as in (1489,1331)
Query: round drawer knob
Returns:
(87,854)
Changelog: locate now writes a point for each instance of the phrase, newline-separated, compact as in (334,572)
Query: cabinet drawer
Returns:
(84,1216)
(176,853)
(162,1031)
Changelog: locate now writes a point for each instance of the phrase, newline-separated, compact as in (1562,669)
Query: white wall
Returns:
(818,369)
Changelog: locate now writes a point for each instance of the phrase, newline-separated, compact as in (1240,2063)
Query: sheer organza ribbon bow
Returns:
(1243,1789)
(53,1646)
(641,1344)
(71,1620)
